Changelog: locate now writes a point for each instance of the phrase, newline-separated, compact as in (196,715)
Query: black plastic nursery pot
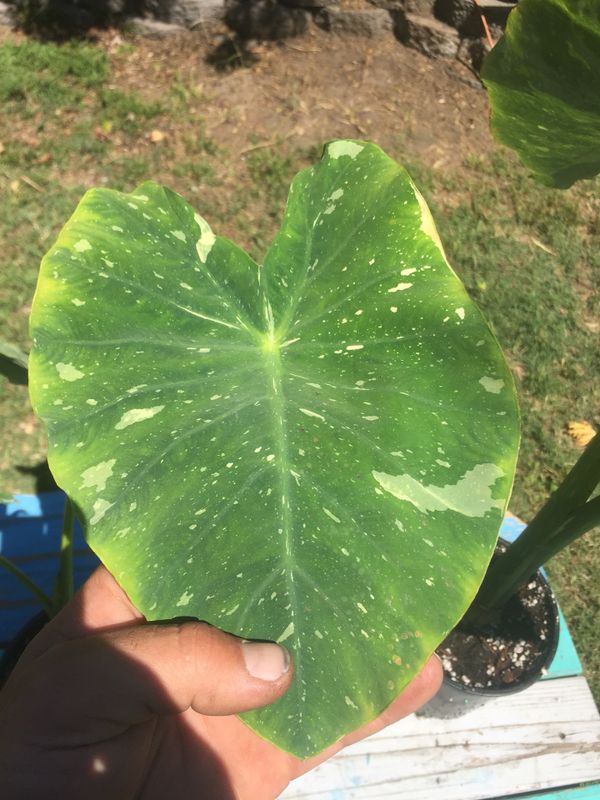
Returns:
(16,647)
(482,664)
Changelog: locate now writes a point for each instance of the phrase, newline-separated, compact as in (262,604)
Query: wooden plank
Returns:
(547,736)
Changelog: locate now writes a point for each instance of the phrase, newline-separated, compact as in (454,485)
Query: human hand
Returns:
(105,706)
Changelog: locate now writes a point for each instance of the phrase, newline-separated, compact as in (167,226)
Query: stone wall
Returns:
(438,28)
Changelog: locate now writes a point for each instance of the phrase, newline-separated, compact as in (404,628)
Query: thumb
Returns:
(128,675)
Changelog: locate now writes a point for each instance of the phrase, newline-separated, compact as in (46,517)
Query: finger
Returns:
(137,672)
(99,605)
(417,693)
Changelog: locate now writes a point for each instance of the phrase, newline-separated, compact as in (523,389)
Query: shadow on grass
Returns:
(230,54)
(44,480)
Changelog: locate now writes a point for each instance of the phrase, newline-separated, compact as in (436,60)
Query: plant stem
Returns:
(563,518)
(40,596)
(63,587)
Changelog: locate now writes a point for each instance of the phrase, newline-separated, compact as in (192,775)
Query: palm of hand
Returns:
(101,705)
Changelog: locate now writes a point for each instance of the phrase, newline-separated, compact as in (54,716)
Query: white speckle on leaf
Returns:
(355,347)
(91,402)
(460,312)
(361,608)
(184,599)
(393,309)
(82,245)
(344,147)
(96,477)
(179,235)
(68,372)
(286,633)
(492,385)
(312,413)
(77,302)
(318,634)
(207,238)
(400,287)
(100,508)
(330,515)
(371,418)
(408,271)
(350,703)
(137,415)
(186,286)
(470,496)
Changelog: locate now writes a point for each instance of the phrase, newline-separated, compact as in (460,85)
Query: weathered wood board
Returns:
(547,736)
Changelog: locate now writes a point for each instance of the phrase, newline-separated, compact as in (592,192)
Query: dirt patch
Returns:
(318,87)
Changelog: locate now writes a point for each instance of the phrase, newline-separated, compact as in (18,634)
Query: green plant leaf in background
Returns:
(543,80)
(13,363)
(317,451)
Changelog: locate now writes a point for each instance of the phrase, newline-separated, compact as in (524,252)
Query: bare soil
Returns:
(314,88)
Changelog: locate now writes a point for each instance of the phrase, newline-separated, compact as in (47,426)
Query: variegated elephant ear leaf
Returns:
(316,451)
(542,79)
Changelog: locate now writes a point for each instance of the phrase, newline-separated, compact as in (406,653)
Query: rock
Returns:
(153,28)
(465,16)
(422,7)
(7,15)
(116,7)
(475,50)
(366,22)
(265,19)
(313,4)
(430,36)
(389,5)
(187,13)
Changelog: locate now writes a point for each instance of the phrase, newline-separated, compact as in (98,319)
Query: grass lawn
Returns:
(530,256)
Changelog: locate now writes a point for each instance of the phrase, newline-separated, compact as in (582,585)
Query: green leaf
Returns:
(542,78)
(13,363)
(317,451)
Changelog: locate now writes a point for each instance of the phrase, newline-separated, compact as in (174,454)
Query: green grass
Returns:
(127,111)
(497,226)
(34,74)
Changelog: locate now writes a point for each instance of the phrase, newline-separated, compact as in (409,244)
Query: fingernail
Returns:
(265,661)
